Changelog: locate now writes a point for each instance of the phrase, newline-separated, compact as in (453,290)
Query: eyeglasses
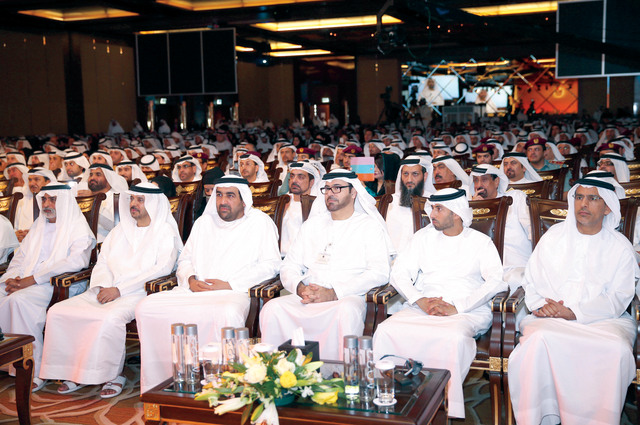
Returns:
(605,163)
(333,189)
(590,198)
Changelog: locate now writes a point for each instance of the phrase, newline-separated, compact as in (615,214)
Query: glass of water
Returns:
(211,361)
(385,389)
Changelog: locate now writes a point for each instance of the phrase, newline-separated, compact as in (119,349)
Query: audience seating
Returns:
(9,206)
(556,181)
(306,202)
(631,189)
(265,190)
(6,187)
(533,190)
(544,214)
(454,184)
(489,217)
(382,204)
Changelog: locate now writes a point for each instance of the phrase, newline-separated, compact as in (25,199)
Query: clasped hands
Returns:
(313,293)
(435,306)
(17,283)
(554,309)
(207,285)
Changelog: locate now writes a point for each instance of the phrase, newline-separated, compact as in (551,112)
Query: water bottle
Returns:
(191,360)
(228,348)
(367,368)
(351,382)
(242,344)
(177,353)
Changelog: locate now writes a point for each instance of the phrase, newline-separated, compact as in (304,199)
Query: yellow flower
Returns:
(325,398)
(288,380)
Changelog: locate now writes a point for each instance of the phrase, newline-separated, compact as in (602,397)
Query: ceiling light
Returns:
(355,21)
(173,31)
(289,53)
(201,5)
(78,14)
(279,45)
(513,9)
(245,49)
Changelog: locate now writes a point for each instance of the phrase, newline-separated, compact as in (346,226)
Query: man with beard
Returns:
(186,169)
(448,273)
(447,170)
(518,170)
(304,179)
(490,183)
(414,179)
(102,179)
(75,164)
(341,252)
(251,168)
(484,153)
(37,178)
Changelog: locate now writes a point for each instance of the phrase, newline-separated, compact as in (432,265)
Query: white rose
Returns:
(299,357)
(283,366)
(255,374)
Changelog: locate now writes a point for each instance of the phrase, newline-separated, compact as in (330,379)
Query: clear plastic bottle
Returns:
(177,352)
(242,344)
(367,368)
(351,382)
(191,354)
(228,348)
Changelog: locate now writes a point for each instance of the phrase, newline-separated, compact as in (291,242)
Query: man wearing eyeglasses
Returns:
(448,273)
(341,252)
(578,283)
(616,165)
(186,169)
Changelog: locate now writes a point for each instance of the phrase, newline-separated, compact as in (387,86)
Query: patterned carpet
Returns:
(85,406)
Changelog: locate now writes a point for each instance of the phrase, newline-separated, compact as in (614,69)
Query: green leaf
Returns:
(291,357)
(239,367)
(257,412)
(246,413)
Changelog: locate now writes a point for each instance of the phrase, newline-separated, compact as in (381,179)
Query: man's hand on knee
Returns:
(106,295)
(320,294)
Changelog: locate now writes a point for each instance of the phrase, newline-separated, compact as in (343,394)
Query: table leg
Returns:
(24,378)
(441,415)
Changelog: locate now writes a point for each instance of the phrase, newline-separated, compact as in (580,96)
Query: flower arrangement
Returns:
(267,377)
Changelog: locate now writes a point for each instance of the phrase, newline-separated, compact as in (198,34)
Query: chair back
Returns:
(454,184)
(533,190)
(188,188)
(489,217)
(631,188)
(6,186)
(134,182)
(166,169)
(151,174)
(9,206)
(556,181)
(634,174)
(90,207)
(275,208)
(382,204)
(265,190)
(306,202)
(36,210)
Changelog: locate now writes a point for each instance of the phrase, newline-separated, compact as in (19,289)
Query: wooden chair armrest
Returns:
(257,290)
(3,267)
(65,280)
(384,294)
(635,308)
(272,290)
(514,302)
(497,304)
(164,283)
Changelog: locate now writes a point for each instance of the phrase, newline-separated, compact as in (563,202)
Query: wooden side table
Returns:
(18,351)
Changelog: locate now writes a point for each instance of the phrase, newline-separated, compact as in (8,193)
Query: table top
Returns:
(421,397)
(13,341)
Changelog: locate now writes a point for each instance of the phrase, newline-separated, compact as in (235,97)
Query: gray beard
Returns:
(407,195)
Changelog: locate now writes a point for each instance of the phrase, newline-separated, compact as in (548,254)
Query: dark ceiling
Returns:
(431,32)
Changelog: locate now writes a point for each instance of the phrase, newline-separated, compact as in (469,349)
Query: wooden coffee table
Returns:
(18,351)
(421,402)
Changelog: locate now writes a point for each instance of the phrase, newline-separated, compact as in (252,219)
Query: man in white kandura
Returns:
(490,182)
(304,179)
(517,168)
(575,361)
(59,241)
(414,179)
(85,335)
(448,274)
(232,247)
(341,252)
